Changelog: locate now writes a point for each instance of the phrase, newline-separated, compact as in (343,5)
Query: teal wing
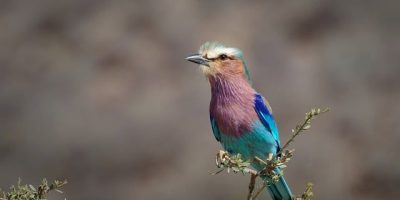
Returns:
(215,129)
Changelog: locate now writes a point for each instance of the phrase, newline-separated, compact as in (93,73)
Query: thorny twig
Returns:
(304,126)
(252,184)
(44,188)
(232,162)
(29,192)
(307,194)
(272,163)
(260,190)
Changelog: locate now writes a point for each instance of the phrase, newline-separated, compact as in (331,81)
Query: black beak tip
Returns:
(195,58)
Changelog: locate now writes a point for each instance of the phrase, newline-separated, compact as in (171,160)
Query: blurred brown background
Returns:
(98,92)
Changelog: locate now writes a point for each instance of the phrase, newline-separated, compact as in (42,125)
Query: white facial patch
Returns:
(214,53)
(212,50)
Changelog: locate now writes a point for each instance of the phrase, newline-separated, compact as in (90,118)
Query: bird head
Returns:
(215,59)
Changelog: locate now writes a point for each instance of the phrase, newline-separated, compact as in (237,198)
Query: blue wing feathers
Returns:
(279,190)
(266,117)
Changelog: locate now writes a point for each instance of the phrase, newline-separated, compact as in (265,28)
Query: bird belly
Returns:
(256,142)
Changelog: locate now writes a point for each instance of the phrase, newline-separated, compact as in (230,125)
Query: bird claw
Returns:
(220,158)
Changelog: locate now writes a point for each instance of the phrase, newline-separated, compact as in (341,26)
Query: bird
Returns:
(241,118)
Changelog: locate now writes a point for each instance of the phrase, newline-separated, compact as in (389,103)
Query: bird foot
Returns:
(221,158)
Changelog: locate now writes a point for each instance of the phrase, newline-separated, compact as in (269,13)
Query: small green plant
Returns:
(236,164)
(29,192)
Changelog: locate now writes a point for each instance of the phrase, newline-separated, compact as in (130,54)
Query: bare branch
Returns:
(264,185)
(304,126)
(251,186)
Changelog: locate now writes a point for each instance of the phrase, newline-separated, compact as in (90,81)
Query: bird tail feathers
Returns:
(279,190)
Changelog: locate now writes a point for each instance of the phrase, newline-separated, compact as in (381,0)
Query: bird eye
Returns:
(223,56)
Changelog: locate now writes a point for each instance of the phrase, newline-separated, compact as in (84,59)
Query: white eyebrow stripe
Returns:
(214,53)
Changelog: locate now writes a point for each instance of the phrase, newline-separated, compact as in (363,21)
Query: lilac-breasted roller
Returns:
(241,119)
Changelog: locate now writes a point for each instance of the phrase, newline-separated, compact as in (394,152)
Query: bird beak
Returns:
(198,59)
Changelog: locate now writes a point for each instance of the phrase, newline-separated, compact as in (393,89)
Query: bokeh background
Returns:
(98,92)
